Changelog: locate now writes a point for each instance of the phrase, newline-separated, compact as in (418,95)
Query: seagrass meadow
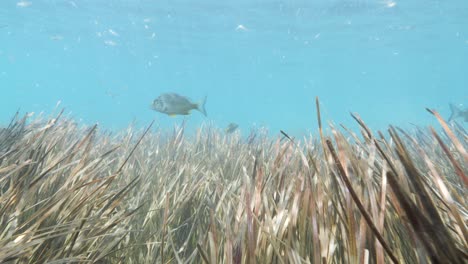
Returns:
(74,194)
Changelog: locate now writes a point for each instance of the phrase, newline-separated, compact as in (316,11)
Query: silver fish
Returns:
(174,104)
(457,112)
(231,128)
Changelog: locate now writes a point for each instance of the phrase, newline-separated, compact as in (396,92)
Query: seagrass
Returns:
(74,194)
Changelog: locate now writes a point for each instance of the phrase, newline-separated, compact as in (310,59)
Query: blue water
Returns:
(260,63)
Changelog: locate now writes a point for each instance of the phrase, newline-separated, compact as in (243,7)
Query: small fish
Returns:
(457,112)
(174,104)
(231,128)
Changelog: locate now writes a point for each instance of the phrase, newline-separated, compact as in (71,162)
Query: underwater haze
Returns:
(259,63)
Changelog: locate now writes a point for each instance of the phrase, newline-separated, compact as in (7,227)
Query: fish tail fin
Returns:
(201,106)
(454,112)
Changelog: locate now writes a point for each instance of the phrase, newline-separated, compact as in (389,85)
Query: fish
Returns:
(457,112)
(174,104)
(231,128)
